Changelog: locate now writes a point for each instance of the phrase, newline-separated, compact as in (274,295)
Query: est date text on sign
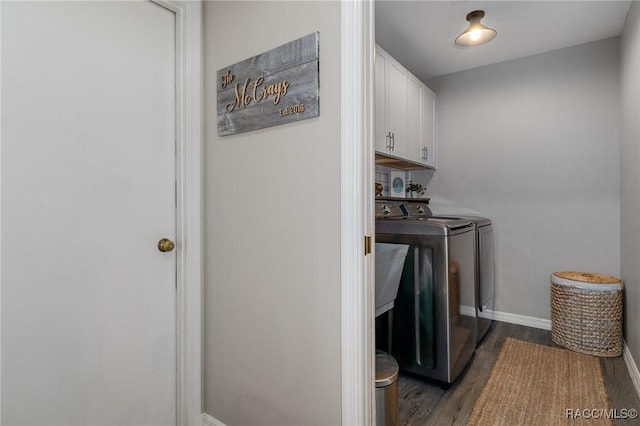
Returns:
(275,87)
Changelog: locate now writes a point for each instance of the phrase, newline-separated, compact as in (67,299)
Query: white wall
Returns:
(630,177)
(534,144)
(272,241)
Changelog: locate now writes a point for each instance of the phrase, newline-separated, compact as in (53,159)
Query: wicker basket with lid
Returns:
(586,312)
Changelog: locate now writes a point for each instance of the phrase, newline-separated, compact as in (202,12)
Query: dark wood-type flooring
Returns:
(423,403)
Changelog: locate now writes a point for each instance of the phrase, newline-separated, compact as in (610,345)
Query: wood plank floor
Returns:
(423,403)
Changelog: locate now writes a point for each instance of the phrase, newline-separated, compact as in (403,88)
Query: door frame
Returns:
(357,190)
(189,216)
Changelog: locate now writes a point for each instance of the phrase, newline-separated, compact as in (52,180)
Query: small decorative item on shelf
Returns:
(415,187)
(379,189)
(397,184)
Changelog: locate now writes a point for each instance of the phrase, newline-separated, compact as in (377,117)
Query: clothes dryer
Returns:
(434,318)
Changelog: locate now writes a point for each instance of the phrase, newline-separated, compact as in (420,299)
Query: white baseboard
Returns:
(207,420)
(631,366)
(521,320)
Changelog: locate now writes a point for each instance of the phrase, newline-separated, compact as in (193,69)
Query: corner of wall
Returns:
(630,186)
(208,420)
(632,367)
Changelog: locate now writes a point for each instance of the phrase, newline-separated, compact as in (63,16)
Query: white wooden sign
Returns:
(275,87)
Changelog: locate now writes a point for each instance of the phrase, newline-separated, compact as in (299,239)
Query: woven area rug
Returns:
(539,385)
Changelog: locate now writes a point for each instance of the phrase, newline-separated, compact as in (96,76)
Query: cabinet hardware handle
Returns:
(425,152)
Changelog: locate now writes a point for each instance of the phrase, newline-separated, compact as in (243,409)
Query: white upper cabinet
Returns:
(390,105)
(429,147)
(397,107)
(414,120)
(404,113)
(382,141)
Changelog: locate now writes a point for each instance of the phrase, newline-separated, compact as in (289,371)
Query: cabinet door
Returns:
(382,142)
(429,151)
(415,126)
(397,107)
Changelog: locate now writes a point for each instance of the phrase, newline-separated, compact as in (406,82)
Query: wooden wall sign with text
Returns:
(275,87)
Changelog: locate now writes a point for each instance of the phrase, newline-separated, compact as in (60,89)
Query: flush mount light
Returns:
(476,33)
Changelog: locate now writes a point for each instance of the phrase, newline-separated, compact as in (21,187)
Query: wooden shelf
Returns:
(407,200)
(398,163)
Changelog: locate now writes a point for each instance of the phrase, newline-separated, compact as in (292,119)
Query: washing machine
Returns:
(485,261)
(434,322)
(485,265)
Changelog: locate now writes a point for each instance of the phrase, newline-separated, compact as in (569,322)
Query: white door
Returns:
(88,188)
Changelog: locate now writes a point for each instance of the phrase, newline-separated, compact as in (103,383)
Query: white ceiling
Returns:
(420,34)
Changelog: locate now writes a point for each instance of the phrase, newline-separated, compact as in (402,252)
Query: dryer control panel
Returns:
(388,209)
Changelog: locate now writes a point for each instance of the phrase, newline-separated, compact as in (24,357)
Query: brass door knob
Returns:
(165,245)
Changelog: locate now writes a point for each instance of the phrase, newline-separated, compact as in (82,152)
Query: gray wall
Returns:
(534,144)
(630,178)
(272,240)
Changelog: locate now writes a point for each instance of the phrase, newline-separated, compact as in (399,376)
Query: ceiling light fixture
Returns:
(476,33)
